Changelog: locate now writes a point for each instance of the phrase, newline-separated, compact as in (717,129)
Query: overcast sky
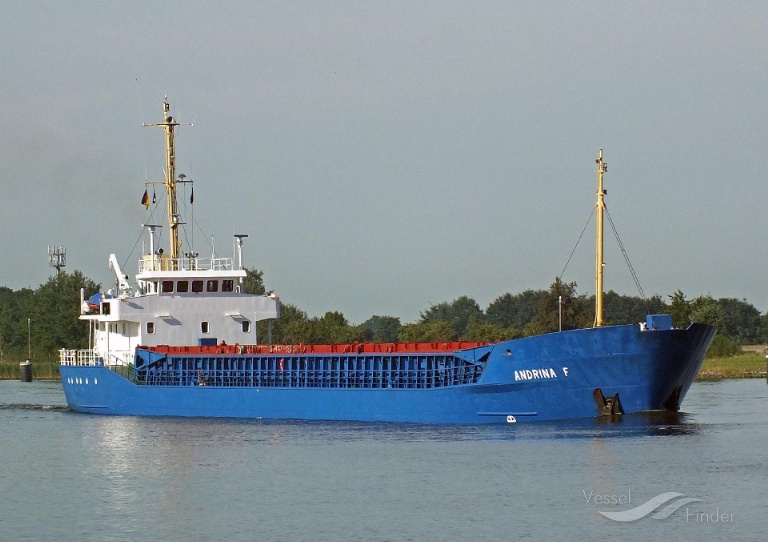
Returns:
(385,156)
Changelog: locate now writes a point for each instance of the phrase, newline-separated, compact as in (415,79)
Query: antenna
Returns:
(240,237)
(57,257)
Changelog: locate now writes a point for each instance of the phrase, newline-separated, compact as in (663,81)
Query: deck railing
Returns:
(121,362)
(89,357)
(79,357)
(185,264)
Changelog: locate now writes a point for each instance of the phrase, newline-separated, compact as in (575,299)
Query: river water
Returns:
(75,477)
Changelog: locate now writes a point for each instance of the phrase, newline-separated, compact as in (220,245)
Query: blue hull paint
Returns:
(545,377)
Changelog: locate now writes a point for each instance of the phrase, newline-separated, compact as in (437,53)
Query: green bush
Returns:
(723,346)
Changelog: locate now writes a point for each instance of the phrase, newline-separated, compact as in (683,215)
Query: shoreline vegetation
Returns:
(751,363)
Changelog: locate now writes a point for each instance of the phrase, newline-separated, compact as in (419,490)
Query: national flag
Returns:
(145,199)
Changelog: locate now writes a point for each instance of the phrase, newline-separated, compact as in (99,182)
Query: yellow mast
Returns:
(170,179)
(602,167)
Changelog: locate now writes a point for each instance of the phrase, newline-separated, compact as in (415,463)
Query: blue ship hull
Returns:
(546,377)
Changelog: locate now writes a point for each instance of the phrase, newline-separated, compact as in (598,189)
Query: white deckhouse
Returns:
(177,300)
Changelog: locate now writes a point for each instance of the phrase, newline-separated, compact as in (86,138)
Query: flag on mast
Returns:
(145,199)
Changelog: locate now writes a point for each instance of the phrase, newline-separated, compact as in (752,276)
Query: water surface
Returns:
(77,477)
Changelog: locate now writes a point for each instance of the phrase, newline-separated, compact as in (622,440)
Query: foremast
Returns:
(602,167)
(174,221)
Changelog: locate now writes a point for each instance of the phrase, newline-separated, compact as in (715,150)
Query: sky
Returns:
(384,157)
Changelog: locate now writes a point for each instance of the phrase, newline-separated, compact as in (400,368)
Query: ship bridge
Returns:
(159,274)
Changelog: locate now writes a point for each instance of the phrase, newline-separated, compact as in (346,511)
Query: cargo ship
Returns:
(182,341)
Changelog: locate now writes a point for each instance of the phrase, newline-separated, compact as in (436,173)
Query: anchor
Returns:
(607,406)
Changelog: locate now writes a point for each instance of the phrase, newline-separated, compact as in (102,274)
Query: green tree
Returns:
(15,308)
(723,346)
(458,313)
(764,328)
(254,281)
(679,309)
(706,310)
(575,311)
(740,321)
(623,309)
(333,328)
(293,326)
(515,311)
(380,329)
(487,331)
(55,313)
(437,331)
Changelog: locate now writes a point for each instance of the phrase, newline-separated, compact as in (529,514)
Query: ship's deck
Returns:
(403,365)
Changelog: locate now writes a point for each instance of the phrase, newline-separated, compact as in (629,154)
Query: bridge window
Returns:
(212,286)
(105,307)
(246,326)
(182,286)
(167,286)
(151,328)
(197,286)
(227,285)
(205,327)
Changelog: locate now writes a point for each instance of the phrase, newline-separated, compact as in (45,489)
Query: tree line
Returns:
(37,323)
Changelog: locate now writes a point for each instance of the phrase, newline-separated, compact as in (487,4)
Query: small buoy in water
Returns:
(25,368)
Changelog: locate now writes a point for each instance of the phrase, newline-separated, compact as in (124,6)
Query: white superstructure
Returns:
(178,299)
(178,302)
